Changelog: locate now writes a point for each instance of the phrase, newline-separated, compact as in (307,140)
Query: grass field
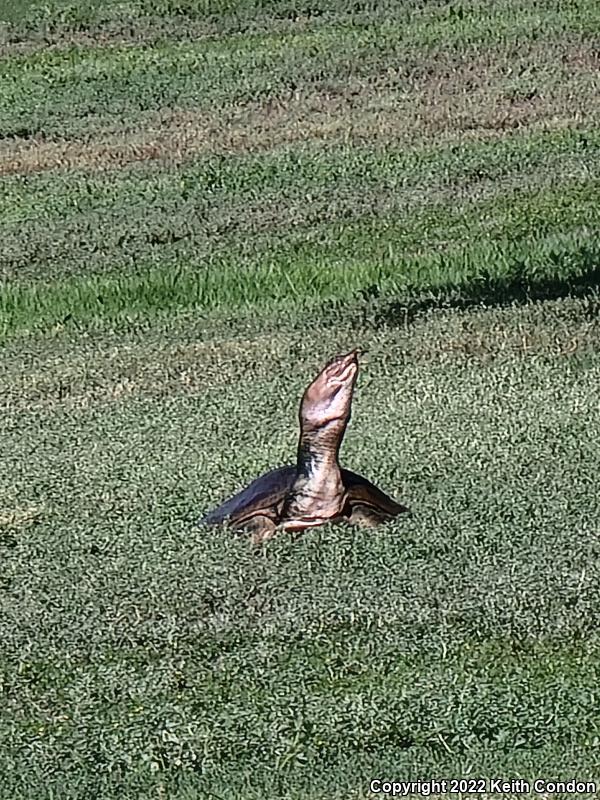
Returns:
(201,202)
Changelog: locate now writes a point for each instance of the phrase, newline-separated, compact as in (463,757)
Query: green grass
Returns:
(277,285)
(168,655)
(222,235)
(71,91)
(27,17)
(295,172)
(419,180)
(66,16)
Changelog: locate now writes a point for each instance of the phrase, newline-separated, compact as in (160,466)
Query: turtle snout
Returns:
(340,366)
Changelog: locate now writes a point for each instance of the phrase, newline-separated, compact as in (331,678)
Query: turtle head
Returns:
(328,399)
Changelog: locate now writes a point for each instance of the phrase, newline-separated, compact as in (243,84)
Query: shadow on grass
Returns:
(516,288)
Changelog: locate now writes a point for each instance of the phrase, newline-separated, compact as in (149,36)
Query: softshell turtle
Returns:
(316,490)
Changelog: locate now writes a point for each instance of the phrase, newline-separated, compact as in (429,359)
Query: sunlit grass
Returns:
(158,325)
(181,657)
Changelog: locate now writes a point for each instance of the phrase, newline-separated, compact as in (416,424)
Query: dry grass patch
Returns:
(147,31)
(480,97)
(16,519)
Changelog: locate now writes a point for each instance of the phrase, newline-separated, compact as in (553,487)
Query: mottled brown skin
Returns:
(316,490)
(318,494)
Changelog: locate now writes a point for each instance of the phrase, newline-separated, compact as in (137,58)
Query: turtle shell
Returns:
(263,497)
(365,504)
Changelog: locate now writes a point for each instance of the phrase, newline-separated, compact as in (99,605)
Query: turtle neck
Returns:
(318,492)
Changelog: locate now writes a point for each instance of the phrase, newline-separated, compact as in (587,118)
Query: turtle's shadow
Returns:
(518,287)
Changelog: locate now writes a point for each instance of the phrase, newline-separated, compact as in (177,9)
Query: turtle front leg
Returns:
(262,529)
(367,517)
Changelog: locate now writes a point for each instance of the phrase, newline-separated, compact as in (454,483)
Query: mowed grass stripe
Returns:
(275,283)
(220,209)
(65,16)
(477,95)
(69,92)
(298,172)
(115,361)
(110,252)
